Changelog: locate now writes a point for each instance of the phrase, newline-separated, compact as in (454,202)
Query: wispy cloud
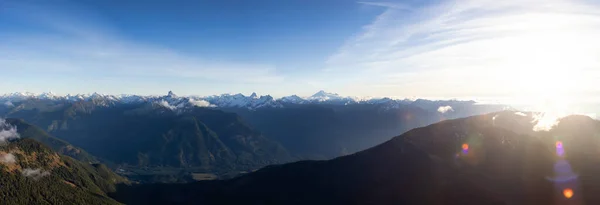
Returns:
(8,104)
(8,158)
(7,132)
(71,45)
(34,173)
(477,48)
(392,5)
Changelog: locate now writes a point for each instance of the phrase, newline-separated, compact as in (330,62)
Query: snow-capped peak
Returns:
(239,100)
(96,95)
(323,94)
(294,99)
(334,98)
(47,95)
(19,95)
(253,95)
(253,101)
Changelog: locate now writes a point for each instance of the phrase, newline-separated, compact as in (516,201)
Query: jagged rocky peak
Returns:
(266,97)
(171,94)
(253,95)
(251,101)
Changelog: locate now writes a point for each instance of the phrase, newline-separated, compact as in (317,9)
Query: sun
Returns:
(546,62)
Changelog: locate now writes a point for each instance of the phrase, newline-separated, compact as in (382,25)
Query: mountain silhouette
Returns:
(485,159)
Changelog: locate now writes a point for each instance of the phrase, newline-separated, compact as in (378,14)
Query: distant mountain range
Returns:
(171,100)
(321,126)
(225,134)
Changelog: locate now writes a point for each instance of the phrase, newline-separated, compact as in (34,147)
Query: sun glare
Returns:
(543,60)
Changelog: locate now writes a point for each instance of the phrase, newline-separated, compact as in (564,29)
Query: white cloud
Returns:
(444,109)
(200,103)
(34,173)
(475,47)
(8,104)
(166,104)
(8,158)
(7,132)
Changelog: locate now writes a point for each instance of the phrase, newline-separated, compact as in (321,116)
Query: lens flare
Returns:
(560,151)
(568,193)
(465,148)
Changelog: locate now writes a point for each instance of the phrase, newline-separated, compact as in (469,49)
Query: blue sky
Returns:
(446,49)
